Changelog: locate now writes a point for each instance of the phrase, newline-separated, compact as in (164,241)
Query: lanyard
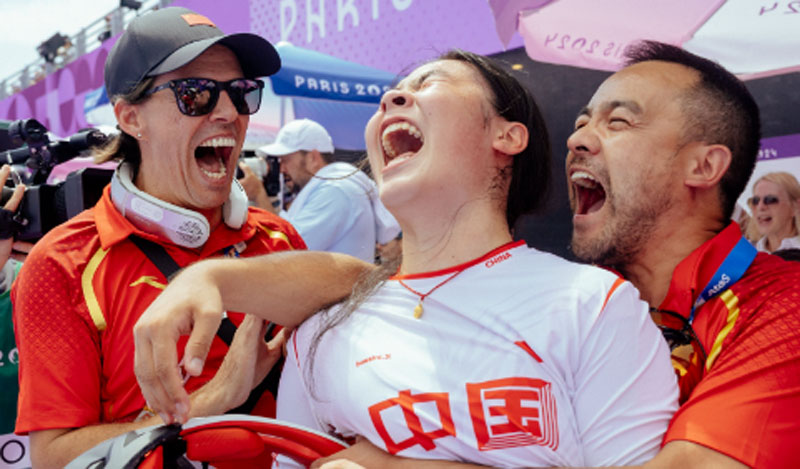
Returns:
(729,272)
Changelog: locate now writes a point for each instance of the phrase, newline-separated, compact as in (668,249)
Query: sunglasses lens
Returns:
(768,200)
(196,97)
(245,95)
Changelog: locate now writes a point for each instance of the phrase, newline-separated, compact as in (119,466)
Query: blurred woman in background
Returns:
(775,207)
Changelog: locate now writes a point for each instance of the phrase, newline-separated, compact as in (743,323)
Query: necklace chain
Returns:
(418,309)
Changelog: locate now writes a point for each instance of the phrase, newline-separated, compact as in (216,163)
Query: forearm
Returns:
(285,287)
(57,447)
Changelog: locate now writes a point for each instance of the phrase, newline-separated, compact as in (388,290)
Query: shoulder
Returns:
(546,279)
(69,242)
(272,226)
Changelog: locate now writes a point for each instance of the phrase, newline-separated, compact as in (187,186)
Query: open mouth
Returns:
(213,155)
(590,196)
(401,140)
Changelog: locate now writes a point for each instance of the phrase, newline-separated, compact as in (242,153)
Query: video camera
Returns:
(47,205)
(263,166)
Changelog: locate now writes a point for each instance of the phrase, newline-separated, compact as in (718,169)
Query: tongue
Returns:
(211,158)
(591,200)
(403,142)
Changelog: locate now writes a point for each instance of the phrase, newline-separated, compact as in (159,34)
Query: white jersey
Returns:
(523,359)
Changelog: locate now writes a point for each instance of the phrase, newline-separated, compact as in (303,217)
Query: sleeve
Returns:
(324,217)
(59,355)
(753,386)
(294,402)
(626,388)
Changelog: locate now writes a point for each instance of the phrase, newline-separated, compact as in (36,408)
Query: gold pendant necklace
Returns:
(418,309)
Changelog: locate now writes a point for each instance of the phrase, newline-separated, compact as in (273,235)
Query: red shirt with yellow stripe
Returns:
(77,298)
(744,401)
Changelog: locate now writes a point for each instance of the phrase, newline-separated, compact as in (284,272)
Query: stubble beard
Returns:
(628,232)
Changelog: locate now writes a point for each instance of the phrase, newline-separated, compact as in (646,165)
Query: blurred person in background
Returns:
(11,254)
(337,208)
(775,204)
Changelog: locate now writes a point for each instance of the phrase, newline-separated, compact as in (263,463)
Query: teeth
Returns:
(399,126)
(219,142)
(584,179)
(218,174)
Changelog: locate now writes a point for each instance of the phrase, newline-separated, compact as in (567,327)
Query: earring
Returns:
(138,135)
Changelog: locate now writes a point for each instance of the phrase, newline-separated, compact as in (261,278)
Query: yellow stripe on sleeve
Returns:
(88,290)
(277,235)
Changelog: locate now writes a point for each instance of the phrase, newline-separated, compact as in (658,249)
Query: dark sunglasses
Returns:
(198,96)
(768,200)
(678,332)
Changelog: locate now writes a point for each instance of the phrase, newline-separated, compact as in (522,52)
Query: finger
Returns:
(13,202)
(197,347)
(246,169)
(4,172)
(151,387)
(170,396)
(22,247)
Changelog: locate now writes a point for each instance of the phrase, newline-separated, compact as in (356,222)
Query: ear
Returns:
(316,161)
(510,138)
(127,115)
(707,164)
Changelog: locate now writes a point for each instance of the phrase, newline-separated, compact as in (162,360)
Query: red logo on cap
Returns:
(194,19)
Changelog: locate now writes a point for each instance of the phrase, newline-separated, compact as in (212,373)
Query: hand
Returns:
(11,205)
(191,303)
(252,184)
(246,364)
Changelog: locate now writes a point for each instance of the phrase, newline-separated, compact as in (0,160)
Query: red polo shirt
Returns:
(747,402)
(77,298)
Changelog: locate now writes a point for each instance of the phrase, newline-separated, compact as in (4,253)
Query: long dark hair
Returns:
(530,178)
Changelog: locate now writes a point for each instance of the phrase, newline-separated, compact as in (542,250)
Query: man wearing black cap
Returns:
(182,94)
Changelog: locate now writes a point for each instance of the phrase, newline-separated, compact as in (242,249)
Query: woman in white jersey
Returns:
(476,348)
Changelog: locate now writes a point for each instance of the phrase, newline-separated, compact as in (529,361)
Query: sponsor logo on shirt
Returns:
(498,259)
(385,356)
(723,282)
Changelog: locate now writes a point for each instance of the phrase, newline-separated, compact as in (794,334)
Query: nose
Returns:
(224,110)
(583,140)
(396,99)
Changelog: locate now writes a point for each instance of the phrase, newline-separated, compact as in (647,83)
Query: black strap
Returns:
(168,267)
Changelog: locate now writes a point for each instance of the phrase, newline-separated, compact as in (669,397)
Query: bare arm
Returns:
(691,455)
(283,287)
(247,362)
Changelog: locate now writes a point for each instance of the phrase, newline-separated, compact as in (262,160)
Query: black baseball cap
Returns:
(168,38)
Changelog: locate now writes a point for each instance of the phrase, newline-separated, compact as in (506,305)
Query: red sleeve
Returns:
(59,367)
(748,404)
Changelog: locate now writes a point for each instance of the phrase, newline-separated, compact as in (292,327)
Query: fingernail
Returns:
(165,417)
(196,366)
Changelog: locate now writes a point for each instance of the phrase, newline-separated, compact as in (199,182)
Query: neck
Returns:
(213,215)
(774,240)
(651,269)
(436,243)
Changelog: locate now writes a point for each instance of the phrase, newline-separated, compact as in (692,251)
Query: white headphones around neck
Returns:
(182,226)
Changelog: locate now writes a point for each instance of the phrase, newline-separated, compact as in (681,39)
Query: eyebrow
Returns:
(418,81)
(610,106)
